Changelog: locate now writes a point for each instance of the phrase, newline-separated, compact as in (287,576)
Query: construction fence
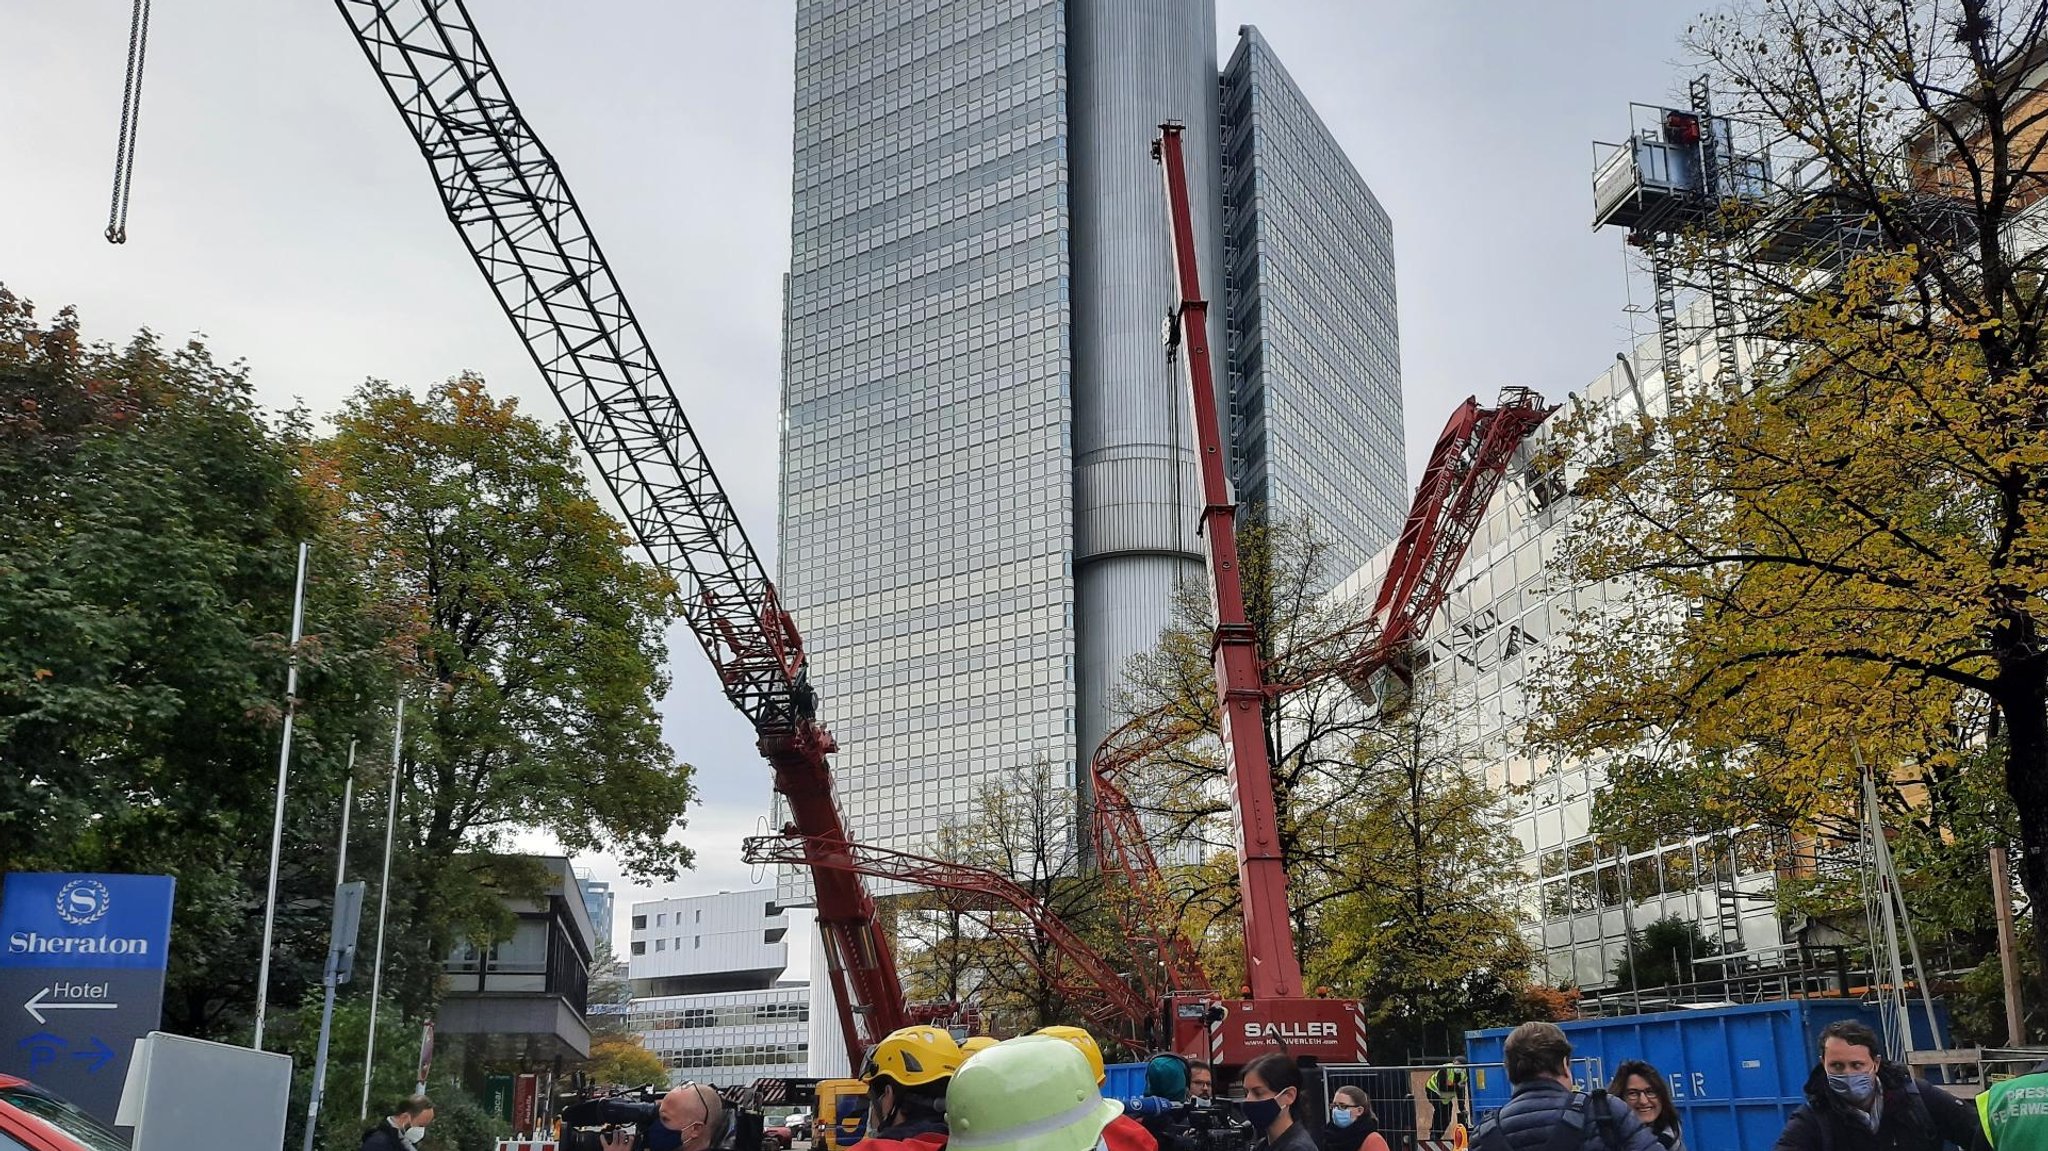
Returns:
(1412,1119)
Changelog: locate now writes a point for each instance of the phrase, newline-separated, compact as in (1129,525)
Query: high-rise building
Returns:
(1315,370)
(988,487)
(597,899)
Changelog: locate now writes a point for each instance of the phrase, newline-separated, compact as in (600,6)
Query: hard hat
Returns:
(974,1043)
(1031,1093)
(1083,1042)
(913,1057)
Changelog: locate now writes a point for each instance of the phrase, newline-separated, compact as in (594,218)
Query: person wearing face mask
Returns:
(1272,1096)
(908,1074)
(403,1129)
(1857,1100)
(1354,1126)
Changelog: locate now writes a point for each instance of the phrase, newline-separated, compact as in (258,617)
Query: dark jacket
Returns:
(385,1137)
(1916,1117)
(1297,1137)
(1540,1105)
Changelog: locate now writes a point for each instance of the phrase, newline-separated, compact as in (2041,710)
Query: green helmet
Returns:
(1032,1093)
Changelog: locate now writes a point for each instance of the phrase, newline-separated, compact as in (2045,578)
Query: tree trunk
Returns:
(2024,697)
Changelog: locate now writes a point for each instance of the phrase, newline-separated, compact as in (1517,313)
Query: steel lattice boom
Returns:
(509,202)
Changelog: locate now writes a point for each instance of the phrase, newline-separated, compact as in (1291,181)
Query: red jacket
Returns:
(1127,1134)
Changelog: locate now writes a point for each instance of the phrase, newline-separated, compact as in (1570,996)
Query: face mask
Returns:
(413,1135)
(1858,1088)
(1262,1112)
(1340,1116)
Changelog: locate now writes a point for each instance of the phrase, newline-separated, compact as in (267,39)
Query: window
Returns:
(661,945)
(661,919)
(700,915)
(697,942)
(639,947)
(639,923)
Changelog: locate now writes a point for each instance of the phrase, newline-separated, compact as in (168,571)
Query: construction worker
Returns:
(907,1075)
(976,1043)
(2014,1111)
(1123,1132)
(1446,1088)
(1028,1094)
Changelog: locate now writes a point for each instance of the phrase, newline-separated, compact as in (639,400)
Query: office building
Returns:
(1315,369)
(988,492)
(597,899)
(708,995)
(1507,603)
(522,1000)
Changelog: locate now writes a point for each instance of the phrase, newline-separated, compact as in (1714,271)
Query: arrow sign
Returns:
(97,1058)
(36,1001)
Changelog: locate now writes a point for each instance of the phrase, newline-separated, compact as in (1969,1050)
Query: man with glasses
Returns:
(688,1119)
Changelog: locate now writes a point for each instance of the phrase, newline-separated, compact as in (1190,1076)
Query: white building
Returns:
(1507,604)
(708,993)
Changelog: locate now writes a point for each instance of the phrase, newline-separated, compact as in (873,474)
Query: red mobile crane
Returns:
(512,207)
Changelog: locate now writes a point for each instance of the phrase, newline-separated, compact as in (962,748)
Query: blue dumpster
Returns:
(1123,1080)
(1736,1072)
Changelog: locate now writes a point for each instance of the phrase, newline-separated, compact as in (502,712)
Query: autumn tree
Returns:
(963,950)
(1401,872)
(622,1061)
(538,650)
(1844,540)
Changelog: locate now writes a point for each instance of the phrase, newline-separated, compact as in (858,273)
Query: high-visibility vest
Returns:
(2014,1112)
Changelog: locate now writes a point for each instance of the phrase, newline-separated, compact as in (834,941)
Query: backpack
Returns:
(1570,1132)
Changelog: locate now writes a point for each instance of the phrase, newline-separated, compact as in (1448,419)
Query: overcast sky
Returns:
(280,209)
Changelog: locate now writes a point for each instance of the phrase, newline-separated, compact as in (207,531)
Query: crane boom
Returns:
(512,207)
(1270,965)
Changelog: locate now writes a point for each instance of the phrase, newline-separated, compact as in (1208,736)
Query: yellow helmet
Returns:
(913,1057)
(1084,1043)
(974,1043)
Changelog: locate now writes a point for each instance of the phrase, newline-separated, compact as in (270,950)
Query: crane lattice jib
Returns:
(1083,978)
(509,202)
(506,196)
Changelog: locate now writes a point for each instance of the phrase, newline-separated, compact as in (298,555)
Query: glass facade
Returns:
(1485,645)
(926,518)
(1315,367)
(728,1038)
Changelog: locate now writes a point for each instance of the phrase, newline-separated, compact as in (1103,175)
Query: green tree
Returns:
(539,642)
(149,519)
(1846,543)
(1665,954)
(1432,943)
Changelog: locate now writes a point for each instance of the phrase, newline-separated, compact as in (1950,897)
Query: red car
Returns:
(40,1121)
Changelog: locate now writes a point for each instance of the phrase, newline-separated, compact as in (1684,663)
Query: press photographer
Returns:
(1179,1122)
(687,1119)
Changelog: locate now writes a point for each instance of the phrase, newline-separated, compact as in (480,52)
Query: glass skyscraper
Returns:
(1315,370)
(988,491)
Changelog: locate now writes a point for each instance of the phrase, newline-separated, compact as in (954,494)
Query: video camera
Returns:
(585,1124)
(1193,1124)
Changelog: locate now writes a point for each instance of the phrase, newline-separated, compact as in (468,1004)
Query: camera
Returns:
(1193,1125)
(585,1124)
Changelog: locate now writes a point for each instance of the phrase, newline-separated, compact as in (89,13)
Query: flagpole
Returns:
(383,902)
(284,762)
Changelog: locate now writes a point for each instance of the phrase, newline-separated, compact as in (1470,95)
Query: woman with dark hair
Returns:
(1273,1102)
(1353,1125)
(1643,1088)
